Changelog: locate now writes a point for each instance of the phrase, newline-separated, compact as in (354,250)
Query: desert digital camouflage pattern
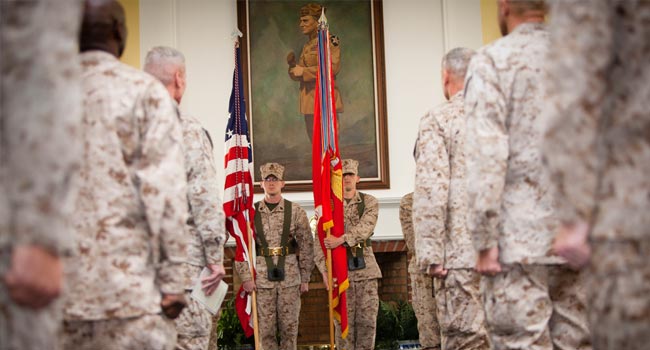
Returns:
(441,236)
(440,198)
(40,149)
(131,210)
(206,229)
(511,203)
(424,304)
(278,302)
(146,332)
(362,295)
(599,155)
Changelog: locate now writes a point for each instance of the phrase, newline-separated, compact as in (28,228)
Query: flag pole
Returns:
(329,292)
(256,332)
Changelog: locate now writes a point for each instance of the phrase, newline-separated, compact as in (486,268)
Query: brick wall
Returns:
(314,327)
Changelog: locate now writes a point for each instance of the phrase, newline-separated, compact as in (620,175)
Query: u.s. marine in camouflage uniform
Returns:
(598,149)
(131,209)
(362,294)
(424,304)
(443,244)
(40,150)
(288,247)
(532,300)
(305,70)
(206,225)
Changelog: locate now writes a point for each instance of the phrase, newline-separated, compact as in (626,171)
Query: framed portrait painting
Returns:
(279,59)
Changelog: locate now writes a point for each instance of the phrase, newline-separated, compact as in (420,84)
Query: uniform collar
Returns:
(457,96)
(529,27)
(96,58)
(355,199)
(264,208)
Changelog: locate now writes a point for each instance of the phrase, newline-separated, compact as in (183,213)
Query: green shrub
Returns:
(230,335)
(395,321)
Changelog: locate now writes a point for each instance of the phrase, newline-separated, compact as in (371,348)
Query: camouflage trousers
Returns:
(150,332)
(460,311)
(619,295)
(193,326)
(424,305)
(278,312)
(363,306)
(26,329)
(536,307)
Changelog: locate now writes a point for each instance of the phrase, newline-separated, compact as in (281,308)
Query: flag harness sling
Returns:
(355,253)
(275,272)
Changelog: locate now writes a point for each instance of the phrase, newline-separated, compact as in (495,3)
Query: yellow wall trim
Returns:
(131,55)
(489,22)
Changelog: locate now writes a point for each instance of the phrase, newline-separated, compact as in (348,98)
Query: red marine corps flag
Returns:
(238,195)
(327,175)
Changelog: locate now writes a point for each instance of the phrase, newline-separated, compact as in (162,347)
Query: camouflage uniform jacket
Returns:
(510,203)
(406,220)
(598,144)
(206,224)
(358,230)
(298,266)
(440,198)
(132,204)
(40,111)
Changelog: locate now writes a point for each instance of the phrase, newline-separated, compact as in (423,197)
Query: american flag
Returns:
(238,193)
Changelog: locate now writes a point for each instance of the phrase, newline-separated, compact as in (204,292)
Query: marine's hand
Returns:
(291,59)
(298,70)
(172,304)
(488,262)
(437,271)
(35,276)
(211,282)
(327,287)
(572,244)
(336,285)
(332,242)
(249,286)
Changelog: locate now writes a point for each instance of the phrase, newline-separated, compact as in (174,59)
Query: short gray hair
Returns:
(457,60)
(162,62)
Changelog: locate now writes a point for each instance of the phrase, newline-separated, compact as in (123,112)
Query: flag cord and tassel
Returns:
(330,284)
(256,332)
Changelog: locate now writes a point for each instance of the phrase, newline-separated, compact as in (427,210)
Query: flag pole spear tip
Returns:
(235,35)
(322,18)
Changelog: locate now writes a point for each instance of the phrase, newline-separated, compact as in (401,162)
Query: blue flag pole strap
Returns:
(322,91)
(327,106)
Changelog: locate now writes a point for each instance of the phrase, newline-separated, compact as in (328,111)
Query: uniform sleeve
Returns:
(292,76)
(486,150)
(162,184)
(41,110)
(356,234)
(576,89)
(431,196)
(310,73)
(203,194)
(243,271)
(406,220)
(319,257)
(305,243)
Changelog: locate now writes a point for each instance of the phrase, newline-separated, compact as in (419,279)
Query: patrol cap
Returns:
(350,166)
(274,169)
(311,9)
